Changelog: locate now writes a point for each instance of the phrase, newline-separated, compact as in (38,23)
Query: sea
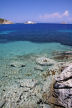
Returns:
(22,44)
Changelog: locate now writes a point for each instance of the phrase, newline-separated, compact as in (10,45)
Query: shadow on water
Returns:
(37,33)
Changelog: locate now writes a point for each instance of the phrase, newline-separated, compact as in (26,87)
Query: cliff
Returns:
(3,21)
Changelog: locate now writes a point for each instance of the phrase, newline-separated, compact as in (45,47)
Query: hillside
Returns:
(3,21)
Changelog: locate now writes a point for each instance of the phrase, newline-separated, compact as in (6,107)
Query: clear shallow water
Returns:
(68,31)
(17,48)
(23,44)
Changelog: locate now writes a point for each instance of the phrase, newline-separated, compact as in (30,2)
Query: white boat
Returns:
(29,22)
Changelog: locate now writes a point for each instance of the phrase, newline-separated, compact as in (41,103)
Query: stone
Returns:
(12,65)
(23,65)
(47,84)
(63,87)
(29,83)
(2,103)
(38,68)
(66,73)
(65,55)
(45,106)
(17,64)
(44,61)
(26,92)
(63,84)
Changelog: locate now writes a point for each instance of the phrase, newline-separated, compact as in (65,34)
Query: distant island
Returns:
(3,21)
(29,22)
(63,22)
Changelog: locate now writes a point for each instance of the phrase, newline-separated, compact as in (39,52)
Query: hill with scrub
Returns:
(3,21)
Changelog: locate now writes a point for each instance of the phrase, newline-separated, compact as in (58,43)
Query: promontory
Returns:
(4,21)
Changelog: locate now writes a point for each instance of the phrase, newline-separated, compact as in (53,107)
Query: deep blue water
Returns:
(37,33)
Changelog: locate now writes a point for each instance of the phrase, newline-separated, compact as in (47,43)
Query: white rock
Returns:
(45,61)
(63,87)
(38,68)
(67,73)
(64,84)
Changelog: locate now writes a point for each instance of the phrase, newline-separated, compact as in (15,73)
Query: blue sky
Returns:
(36,10)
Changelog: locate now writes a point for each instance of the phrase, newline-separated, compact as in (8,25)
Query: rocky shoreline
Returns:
(3,21)
(63,87)
(53,91)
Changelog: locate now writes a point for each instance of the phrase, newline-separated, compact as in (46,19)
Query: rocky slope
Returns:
(63,87)
(61,91)
(3,21)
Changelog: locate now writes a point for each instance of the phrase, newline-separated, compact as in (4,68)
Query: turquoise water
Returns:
(6,32)
(68,31)
(25,53)
(23,47)
(23,44)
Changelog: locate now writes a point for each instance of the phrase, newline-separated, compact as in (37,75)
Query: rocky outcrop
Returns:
(44,61)
(63,88)
(3,21)
(60,94)
(65,55)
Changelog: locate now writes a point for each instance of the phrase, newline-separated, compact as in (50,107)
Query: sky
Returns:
(50,11)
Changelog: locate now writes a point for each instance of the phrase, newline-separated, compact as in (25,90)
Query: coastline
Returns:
(32,92)
(28,69)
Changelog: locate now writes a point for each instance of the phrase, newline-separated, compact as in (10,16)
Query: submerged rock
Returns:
(27,93)
(45,106)
(38,68)
(2,103)
(17,64)
(44,61)
(12,65)
(66,55)
(30,83)
(23,65)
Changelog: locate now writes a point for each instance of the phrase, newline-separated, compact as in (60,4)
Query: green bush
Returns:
(1,20)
